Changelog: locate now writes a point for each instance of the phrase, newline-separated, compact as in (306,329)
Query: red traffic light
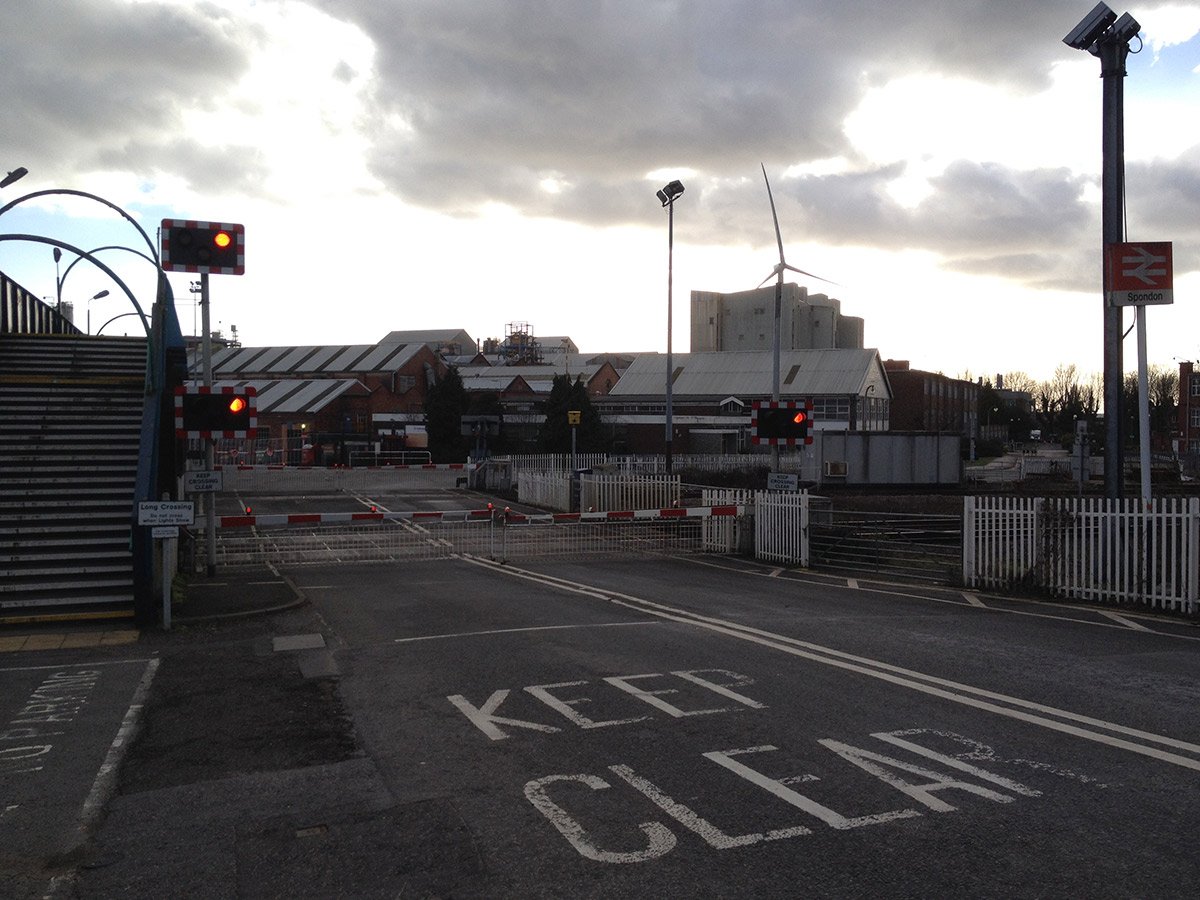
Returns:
(222,239)
(237,404)
(786,423)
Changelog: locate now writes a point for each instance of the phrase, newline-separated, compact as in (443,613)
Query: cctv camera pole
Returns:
(1113,52)
(210,445)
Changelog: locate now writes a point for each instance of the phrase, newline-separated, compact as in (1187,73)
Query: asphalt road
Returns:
(657,728)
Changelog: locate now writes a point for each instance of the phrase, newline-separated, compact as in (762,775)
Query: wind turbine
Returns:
(777,273)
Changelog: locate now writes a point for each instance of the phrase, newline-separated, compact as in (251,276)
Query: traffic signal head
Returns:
(211,413)
(781,423)
(212,247)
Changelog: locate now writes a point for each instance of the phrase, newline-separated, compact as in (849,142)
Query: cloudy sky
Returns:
(403,164)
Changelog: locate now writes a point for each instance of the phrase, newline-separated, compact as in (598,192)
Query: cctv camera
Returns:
(1093,26)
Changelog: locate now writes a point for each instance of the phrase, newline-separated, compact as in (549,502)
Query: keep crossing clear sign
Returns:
(1138,274)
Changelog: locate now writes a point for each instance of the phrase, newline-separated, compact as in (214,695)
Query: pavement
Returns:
(230,594)
(241,697)
(233,593)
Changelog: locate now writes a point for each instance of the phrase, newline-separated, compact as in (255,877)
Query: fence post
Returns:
(1193,554)
(968,542)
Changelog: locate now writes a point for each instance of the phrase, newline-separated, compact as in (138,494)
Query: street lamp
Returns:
(1102,34)
(15,175)
(668,195)
(58,279)
(103,293)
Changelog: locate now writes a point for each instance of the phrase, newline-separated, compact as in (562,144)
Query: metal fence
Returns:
(913,547)
(1087,548)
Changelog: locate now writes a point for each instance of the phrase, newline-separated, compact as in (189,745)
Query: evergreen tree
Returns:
(555,433)
(445,403)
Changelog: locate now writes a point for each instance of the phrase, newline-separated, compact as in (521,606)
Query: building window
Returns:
(1194,418)
(1195,386)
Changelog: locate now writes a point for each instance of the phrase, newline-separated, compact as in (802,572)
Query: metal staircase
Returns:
(70,419)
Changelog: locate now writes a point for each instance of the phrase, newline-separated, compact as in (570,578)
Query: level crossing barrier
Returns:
(312,538)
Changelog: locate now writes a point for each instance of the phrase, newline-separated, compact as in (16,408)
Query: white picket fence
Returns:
(598,493)
(1087,549)
(615,492)
(549,490)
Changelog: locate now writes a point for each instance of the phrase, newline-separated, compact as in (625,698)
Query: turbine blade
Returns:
(811,275)
(771,197)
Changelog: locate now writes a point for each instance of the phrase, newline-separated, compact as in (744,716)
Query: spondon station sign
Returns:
(1138,274)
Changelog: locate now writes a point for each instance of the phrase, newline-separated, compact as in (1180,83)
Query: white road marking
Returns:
(1122,621)
(461,634)
(973,600)
(945,689)
(774,573)
(894,590)
(105,781)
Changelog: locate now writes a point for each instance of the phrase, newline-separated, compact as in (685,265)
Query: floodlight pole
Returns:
(1112,52)
(670,205)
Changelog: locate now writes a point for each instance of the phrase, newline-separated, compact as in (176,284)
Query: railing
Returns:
(23,313)
(798,463)
(1111,551)
(390,458)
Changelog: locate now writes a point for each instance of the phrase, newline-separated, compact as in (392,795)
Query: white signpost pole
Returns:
(1138,275)
(1143,408)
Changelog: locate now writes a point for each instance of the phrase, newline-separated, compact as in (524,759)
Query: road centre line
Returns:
(913,680)
(461,634)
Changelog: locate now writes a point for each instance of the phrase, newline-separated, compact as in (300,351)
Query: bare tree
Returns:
(1020,381)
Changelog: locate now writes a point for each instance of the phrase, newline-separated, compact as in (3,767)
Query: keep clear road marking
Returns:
(942,688)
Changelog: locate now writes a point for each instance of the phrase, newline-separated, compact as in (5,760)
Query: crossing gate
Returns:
(801,529)
(914,547)
(781,527)
(323,538)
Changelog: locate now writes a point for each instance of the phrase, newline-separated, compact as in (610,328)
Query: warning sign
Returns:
(1138,274)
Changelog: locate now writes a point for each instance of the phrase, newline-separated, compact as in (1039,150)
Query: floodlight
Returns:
(668,194)
(1091,28)
(1125,28)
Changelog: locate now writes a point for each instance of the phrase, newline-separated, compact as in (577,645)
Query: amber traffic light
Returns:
(212,247)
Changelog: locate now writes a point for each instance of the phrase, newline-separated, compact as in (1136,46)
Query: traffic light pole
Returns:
(210,448)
